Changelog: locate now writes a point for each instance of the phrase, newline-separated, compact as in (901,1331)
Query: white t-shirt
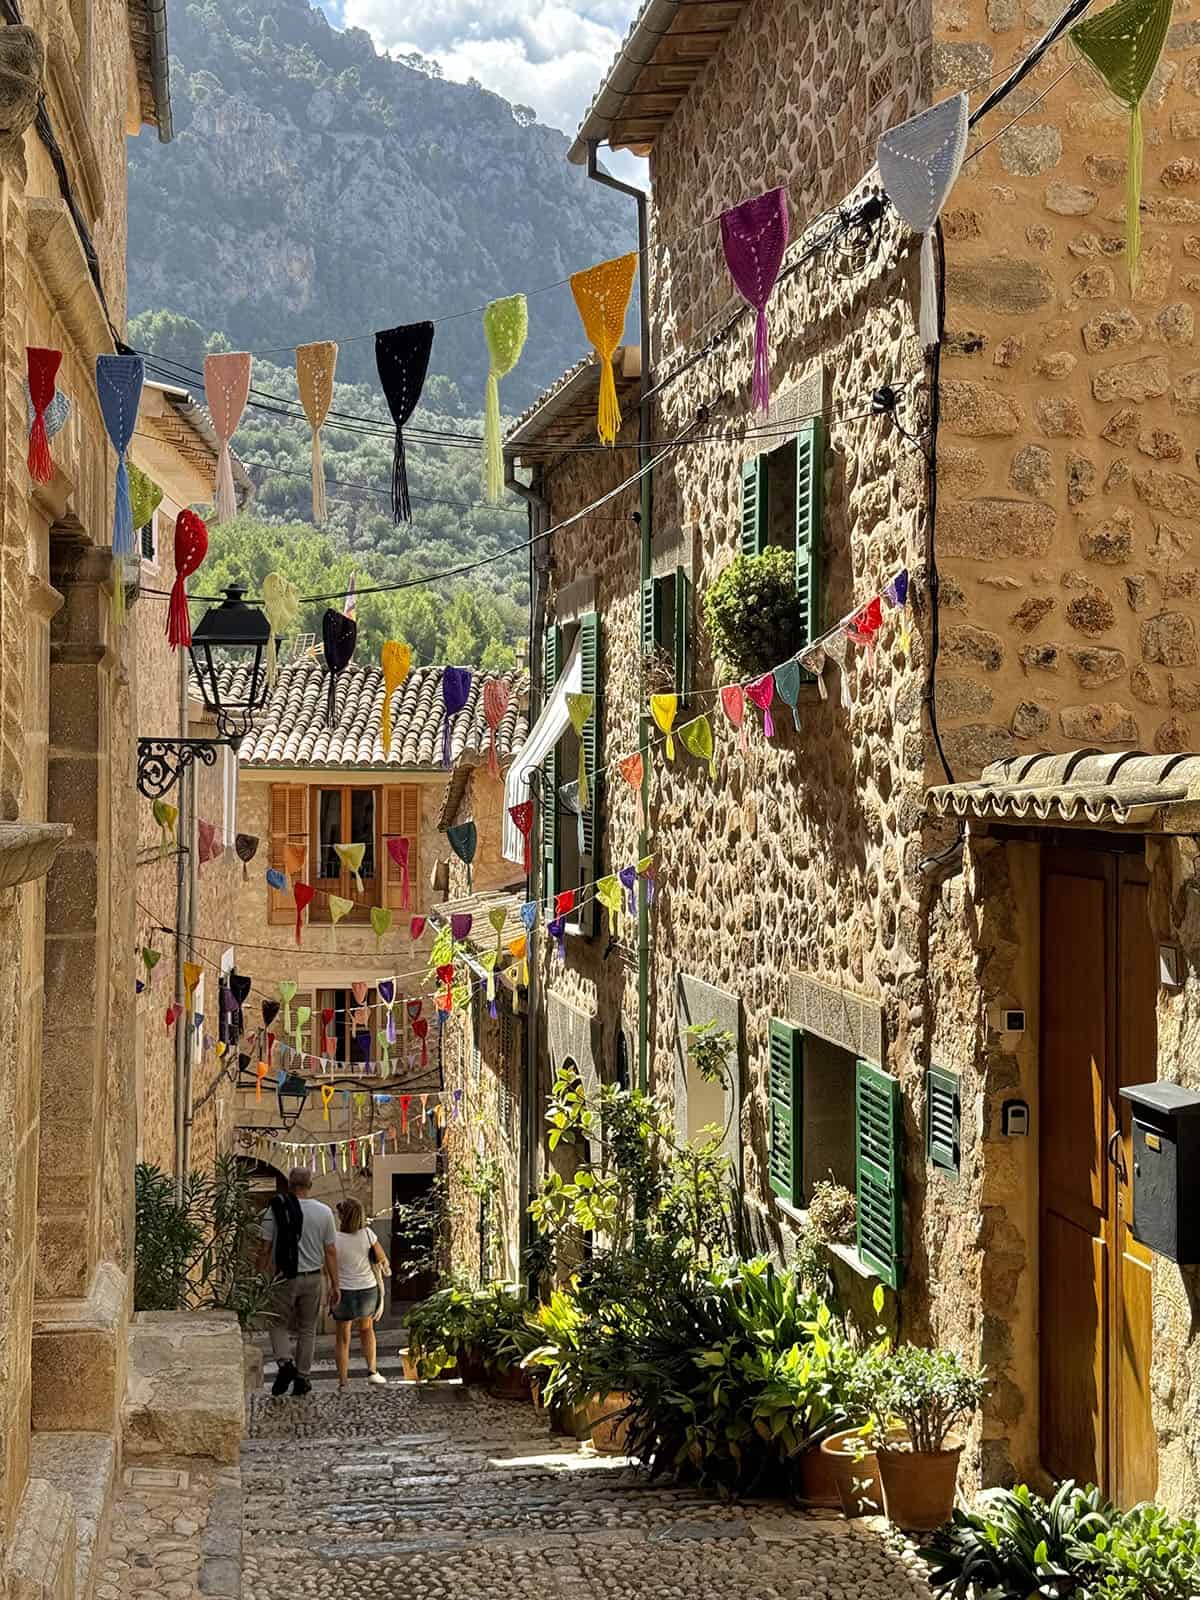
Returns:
(354,1259)
(317,1232)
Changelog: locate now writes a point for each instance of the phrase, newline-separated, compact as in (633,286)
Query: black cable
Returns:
(932,578)
(1024,67)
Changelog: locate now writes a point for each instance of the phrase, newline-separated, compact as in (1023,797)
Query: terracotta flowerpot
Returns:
(601,1421)
(508,1383)
(411,1375)
(855,1473)
(814,1478)
(562,1420)
(540,1408)
(918,1487)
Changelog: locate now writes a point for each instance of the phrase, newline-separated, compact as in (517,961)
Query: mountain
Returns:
(317,189)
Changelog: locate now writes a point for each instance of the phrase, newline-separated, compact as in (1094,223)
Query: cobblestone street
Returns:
(446,1492)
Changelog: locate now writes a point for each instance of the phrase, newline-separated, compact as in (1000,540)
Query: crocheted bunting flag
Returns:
(464,840)
(42,367)
(119,382)
(663,708)
(416,926)
(919,162)
(396,660)
(896,595)
(402,357)
(246,846)
(696,737)
(628,877)
(461,923)
(522,816)
(496,697)
(813,661)
(498,916)
(166,815)
(633,769)
(339,634)
(351,857)
(145,496)
(456,691)
(276,879)
(191,547)
(315,365)
(755,236)
(150,959)
(788,678)
(281,602)
(608,893)
(397,849)
(733,704)
(226,390)
(287,993)
(381,922)
(1124,44)
(270,1010)
(762,692)
(303,894)
(602,299)
(505,326)
(210,845)
(518,949)
(339,907)
(836,646)
(294,857)
(579,709)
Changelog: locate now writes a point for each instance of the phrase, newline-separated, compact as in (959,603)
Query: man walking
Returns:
(298,1237)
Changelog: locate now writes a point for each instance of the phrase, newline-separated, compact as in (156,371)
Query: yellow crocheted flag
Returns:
(351,857)
(339,907)
(602,299)
(315,365)
(1124,44)
(505,327)
(396,660)
(579,709)
(663,708)
(281,602)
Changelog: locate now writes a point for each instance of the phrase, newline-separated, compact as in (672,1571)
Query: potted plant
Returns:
(753,614)
(929,1393)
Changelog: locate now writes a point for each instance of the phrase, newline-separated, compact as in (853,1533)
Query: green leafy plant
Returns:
(928,1391)
(461,1323)
(1148,1555)
(752,612)
(197,1253)
(832,1212)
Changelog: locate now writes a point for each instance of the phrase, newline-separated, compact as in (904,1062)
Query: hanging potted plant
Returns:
(753,614)
(929,1393)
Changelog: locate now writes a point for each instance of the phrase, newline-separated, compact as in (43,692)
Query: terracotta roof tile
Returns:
(291,731)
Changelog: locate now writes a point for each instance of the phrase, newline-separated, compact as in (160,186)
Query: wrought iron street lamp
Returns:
(228,648)
(293,1096)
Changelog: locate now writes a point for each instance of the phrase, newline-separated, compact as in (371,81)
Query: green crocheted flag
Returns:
(1124,44)
(505,327)
(145,496)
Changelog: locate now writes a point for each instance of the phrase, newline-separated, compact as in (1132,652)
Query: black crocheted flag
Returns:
(402,356)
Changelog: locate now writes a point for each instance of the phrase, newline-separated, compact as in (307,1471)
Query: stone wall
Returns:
(1069,489)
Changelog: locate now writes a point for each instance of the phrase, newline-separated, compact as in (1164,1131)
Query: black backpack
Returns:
(289,1222)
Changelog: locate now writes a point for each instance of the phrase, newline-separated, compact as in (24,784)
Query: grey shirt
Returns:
(317,1232)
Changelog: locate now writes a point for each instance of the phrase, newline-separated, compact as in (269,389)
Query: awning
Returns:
(1083,788)
(543,736)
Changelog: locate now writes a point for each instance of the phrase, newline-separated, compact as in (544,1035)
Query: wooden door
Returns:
(1098,997)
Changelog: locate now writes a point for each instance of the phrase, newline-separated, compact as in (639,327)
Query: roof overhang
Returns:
(665,51)
(566,412)
(483,935)
(178,447)
(1126,790)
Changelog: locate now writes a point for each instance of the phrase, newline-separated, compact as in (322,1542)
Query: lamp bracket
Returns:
(162,762)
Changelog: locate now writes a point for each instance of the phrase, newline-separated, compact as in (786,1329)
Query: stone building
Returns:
(937,990)
(68,835)
(305,787)
(176,446)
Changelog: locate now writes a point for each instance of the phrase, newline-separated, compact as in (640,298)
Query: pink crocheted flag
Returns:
(226,390)
(755,236)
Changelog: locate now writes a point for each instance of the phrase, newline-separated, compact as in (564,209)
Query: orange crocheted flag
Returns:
(602,296)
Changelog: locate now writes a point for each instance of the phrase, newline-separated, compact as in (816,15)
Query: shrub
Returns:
(459,1321)
(753,614)
(929,1391)
(197,1253)
(832,1213)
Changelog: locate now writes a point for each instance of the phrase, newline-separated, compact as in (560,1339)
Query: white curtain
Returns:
(543,736)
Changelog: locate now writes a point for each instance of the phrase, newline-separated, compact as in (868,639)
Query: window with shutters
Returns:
(289,845)
(346,815)
(785,1068)
(571,836)
(781,506)
(148,540)
(942,1120)
(667,629)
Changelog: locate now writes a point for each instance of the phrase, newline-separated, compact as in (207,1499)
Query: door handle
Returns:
(1116,1157)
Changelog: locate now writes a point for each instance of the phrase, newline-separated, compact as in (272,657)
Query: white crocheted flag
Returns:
(919,162)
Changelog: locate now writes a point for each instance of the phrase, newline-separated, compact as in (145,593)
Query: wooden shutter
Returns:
(289,825)
(880,1190)
(649,616)
(810,472)
(786,1095)
(683,634)
(402,820)
(942,1119)
(551,653)
(589,861)
(754,506)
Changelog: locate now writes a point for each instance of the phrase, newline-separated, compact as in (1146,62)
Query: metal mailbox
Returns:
(1166,1169)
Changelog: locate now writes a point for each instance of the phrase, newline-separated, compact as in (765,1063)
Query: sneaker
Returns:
(284,1377)
(301,1385)
(376,1378)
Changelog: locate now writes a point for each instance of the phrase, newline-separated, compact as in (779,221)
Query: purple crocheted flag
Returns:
(755,235)
(456,691)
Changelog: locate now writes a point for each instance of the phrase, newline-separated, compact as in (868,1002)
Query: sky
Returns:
(548,54)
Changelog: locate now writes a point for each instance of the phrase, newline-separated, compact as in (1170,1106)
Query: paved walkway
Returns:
(442,1492)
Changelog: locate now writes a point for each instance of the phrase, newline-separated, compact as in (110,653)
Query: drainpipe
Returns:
(646,521)
(183,824)
(539,521)
(189,1051)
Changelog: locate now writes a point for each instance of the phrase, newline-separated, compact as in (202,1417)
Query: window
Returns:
(781,505)
(476,1038)
(834,1117)
(308,821)
(942,1120)
(352,1029)
(570,843)
(667,624)
(148,539)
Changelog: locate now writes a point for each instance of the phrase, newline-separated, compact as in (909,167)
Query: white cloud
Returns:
(548,54)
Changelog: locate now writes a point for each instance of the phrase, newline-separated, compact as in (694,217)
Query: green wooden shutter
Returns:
(649,617)
(551,653)
(589,661)
(880,1190)
(754,506)
(942,1119)
(683,629)
(786,1098)
(810,472)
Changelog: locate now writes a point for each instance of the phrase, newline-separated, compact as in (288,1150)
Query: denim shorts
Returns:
(357,1305)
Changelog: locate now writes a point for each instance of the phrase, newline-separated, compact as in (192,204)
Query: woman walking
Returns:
(357,1247)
